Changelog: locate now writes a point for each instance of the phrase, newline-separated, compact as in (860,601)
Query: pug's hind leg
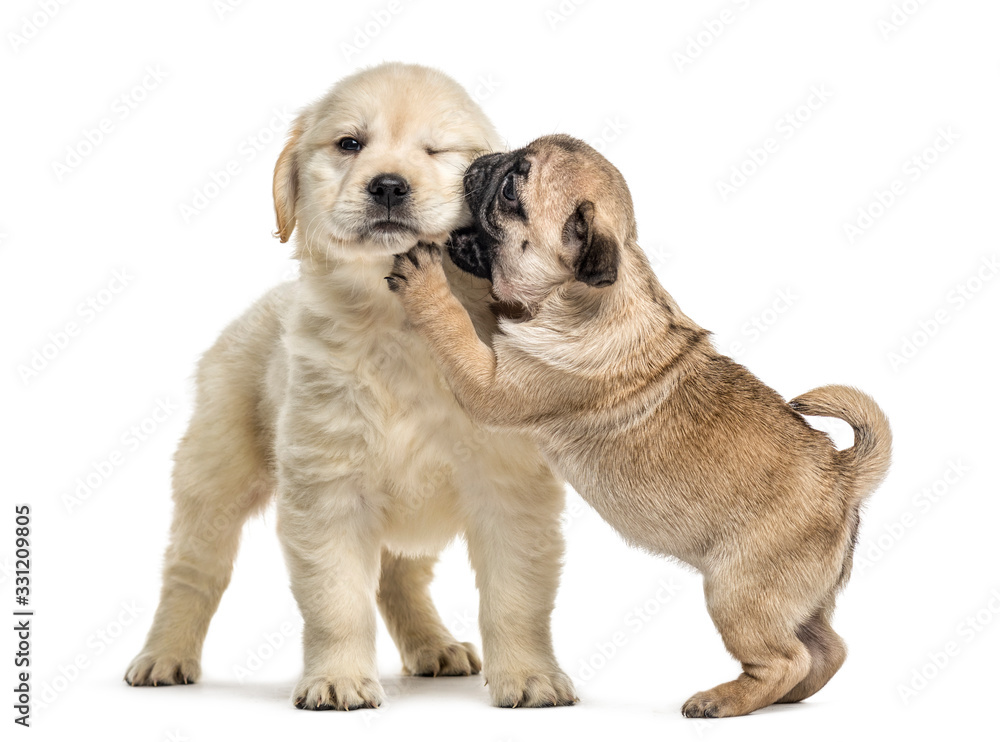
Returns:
(756,629)
(828,653)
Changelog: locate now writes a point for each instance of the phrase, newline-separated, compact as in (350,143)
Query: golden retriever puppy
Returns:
(322,396)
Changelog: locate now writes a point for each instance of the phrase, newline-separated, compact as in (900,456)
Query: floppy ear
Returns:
(286,185)
(597,252)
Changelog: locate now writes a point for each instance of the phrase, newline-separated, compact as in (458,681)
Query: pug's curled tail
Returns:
(867,461)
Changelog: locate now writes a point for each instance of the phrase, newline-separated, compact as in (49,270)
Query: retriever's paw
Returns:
(341,694)
(150,668)
(447,658)
(531,689)
(420,268)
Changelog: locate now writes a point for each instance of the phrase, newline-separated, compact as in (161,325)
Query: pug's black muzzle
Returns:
(472,248)
(480,175)
(469,251)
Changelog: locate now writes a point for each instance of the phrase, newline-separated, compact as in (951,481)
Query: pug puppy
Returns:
(322,398)
(678,447)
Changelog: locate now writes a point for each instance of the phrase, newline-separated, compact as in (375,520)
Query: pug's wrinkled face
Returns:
(377,164)
(553,212)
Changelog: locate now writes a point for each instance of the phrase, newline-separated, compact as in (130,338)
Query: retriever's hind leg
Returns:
(219,481)
(404,599)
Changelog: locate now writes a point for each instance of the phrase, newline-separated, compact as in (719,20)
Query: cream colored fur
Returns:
(322,395)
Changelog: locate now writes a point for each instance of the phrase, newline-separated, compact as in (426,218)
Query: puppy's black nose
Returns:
(388,189)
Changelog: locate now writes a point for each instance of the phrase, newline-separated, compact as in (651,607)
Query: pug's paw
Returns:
(417,271)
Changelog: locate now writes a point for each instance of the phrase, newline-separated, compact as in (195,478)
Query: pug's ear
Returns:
(286,185)
(597,251)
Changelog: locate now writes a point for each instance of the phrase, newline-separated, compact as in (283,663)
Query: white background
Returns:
(608,72)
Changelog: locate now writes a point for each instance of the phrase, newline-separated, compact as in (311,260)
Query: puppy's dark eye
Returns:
(350,144)
(508,191)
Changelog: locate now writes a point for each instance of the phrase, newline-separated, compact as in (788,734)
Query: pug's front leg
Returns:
(418,279)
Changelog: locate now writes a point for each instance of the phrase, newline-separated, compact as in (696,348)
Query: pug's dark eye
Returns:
(350,144)
(508,191)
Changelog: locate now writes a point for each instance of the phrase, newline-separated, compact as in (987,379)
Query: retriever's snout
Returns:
(388,189)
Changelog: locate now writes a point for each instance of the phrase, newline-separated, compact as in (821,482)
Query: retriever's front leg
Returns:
(333,560)
(330,531)
(419,281)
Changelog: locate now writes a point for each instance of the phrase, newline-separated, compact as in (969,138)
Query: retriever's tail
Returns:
(868,459)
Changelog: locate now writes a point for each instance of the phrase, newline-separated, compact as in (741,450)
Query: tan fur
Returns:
(321,394)
(679,448)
